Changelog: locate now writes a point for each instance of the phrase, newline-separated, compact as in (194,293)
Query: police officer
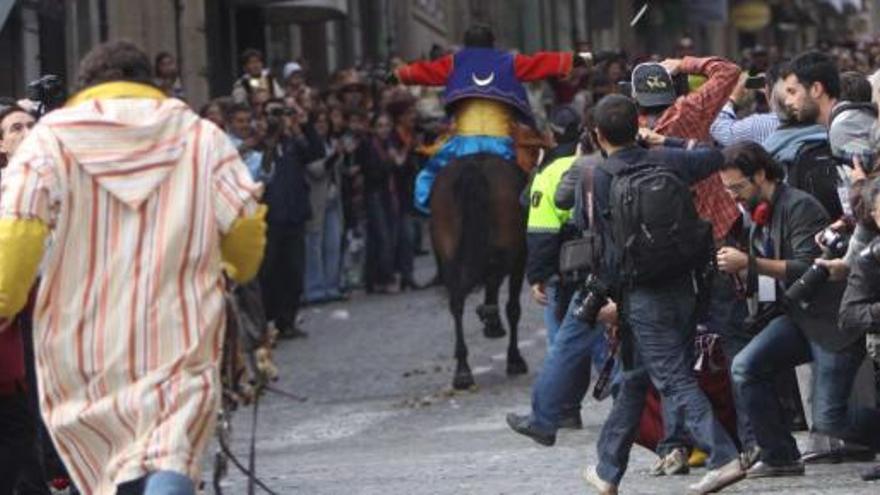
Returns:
(546,221)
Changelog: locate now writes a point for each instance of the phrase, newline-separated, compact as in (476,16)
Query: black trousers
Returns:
(18,429)
(282,273)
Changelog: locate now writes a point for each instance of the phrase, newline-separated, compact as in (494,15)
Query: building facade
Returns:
(51,36)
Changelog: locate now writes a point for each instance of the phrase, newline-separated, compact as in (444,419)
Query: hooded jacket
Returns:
(139,194)
(784,143)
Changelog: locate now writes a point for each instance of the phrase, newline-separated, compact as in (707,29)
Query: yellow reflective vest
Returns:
(544,216)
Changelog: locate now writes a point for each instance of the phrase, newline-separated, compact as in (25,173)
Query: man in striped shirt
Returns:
(144,201)
(727,129)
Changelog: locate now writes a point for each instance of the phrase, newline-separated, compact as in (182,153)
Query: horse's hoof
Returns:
(463,381)
(494,331)
(517,367)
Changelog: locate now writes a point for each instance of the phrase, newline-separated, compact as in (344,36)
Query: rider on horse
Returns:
(485,96)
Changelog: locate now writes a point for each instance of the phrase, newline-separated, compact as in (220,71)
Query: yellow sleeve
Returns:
(21,249)
(242,247)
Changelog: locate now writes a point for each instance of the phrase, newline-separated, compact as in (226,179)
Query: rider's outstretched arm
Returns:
(426,73)
(543,65)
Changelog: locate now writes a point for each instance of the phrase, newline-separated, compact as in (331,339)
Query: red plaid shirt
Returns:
(690,117)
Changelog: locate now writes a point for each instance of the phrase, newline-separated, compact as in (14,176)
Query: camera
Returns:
(594,296)
(274,114)
(804,288)
(48,91)
(758,81)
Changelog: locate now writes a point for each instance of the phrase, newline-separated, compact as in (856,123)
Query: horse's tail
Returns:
(472,197)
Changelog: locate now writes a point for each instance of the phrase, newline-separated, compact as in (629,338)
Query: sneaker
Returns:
(658,468)
(676,462)
(697,458)
(763,470)
(522,424)
(871,474)
(750,457)
(571,422)
(602,487)
(292,333)
(718,479)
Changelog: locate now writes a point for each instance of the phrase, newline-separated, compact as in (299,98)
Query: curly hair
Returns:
(114,61)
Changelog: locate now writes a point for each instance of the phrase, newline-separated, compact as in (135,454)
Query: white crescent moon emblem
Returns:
(483,82)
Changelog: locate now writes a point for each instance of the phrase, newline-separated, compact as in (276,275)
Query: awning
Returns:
(300,11)
(5,9)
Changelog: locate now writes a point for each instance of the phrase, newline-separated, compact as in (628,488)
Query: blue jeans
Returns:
(565,377)
(726,317)
(324,256)
(662,353)
(159,483)
(550,320)
(781,346)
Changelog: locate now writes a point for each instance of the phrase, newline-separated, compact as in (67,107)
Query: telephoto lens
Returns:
(804,288)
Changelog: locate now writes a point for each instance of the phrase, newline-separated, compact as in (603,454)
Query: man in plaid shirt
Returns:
(689,117)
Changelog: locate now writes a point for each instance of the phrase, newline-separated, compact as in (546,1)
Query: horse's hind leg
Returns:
(516,365)
(463,378)
(488,311)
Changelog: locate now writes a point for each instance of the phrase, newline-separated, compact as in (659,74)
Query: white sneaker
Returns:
(602,487)
(718,479)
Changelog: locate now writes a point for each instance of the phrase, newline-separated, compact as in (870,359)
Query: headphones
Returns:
(762,213)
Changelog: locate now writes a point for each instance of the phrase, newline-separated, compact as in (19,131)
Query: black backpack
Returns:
(813,170)
(654,223)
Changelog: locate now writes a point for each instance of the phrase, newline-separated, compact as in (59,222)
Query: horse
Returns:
(478,232)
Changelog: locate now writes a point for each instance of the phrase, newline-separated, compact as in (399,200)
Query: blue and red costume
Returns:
(485,96)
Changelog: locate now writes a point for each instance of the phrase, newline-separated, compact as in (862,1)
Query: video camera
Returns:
(48,91)
(804,288)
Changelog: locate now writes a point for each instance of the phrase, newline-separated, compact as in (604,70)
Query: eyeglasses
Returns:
(738,187)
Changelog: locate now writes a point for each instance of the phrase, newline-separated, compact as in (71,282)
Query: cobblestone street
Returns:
(381,418)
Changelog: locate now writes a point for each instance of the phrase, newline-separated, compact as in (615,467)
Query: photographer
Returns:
(289,146)
(860,307)
(782,249)
(657,310)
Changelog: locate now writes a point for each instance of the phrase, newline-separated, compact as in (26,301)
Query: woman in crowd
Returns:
(324,230)
(378,165)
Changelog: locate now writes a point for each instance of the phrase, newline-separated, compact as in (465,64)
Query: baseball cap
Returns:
(652,85)
(291,68)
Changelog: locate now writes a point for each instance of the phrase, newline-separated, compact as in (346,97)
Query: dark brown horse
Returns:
(478,230)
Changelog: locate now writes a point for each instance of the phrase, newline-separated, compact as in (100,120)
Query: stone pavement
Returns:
(381,418)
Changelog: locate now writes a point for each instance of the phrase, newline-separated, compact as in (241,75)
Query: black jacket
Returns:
(860,306)
(287,192)
(797,218)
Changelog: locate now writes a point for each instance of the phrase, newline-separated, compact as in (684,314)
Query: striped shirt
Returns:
(727,129)
(129,316)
